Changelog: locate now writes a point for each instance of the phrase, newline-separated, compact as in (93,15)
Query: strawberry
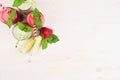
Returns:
(4,16)
(31,19)
(46,32)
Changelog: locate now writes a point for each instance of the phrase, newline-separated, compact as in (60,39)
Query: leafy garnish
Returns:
(37,14)
(24,27)
(52,39)
(28,29)
(11,18)
(21,26)
(44,43)
(18,2)
(38,23)
(9,23)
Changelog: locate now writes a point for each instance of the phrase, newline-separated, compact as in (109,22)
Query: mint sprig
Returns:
(24,27)
(11,18)
(52,39)
(18,2)
(44,43)
(37,15)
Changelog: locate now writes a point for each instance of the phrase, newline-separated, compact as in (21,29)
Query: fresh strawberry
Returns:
(31,19)
(46,32)
(4,15)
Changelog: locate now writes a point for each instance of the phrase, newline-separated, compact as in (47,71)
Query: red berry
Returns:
(31,19)
(4,16)
(47,32)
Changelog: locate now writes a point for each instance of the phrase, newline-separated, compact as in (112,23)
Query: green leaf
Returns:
(52,39)
(37,14)
(18,2)
(38,23)
(24,27)
(28,29)
(21,26)
(44,43)
(9,23)
(11,18)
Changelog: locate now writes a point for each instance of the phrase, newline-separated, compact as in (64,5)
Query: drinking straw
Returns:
(35,31)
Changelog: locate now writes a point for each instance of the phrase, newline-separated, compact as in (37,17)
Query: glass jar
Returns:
(19,34)
(27,6)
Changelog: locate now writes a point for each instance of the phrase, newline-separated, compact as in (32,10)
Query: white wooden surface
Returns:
(89,47)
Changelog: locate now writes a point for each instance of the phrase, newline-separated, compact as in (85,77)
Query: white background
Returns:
(89,47)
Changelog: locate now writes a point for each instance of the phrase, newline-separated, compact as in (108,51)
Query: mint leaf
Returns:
(52,39)
(9,23)
(44,43)
(18,2)
(28,29)
(37,14)
(24,27)
(11,18)
(21,26)
(38,23)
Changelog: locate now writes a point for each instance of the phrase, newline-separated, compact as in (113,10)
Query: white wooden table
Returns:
(89,47)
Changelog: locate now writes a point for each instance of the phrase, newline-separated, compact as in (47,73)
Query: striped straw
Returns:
(35,31)
(2,7)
